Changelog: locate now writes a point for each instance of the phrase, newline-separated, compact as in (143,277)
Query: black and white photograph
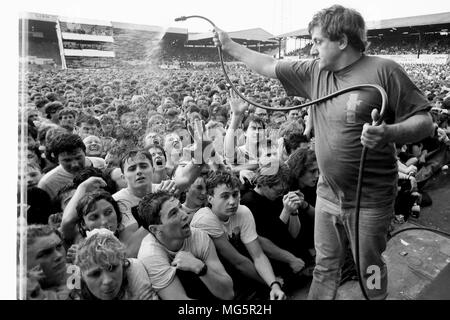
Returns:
(233,152)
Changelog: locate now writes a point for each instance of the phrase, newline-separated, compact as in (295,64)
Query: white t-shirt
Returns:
(57,178)
(126,200)
(137,279)
(241,225)
(157,258)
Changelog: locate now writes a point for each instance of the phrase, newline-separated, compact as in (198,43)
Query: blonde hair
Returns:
(102,249)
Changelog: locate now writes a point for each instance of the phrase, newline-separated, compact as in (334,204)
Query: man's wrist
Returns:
(274,283)
(203,270)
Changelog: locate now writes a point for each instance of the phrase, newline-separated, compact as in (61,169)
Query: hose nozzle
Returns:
(182,18)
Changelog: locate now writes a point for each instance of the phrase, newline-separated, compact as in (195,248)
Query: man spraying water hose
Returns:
(342,127)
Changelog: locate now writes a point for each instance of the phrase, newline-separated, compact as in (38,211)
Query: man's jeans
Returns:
(334,228)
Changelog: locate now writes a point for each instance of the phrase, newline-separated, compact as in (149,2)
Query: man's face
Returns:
(156,101)
(261,113)
(71,97)
(133,123)
(328,51)
(45,90)
(255,132)
(310,177)
(274,192)
(93,145)
(159,161)
(225,201)
(153,138)
(87,129)
(277,122)
(174,221)
(172,141)
(72,162)
(293,115)
(196,194)
(107,127)
(54,116)
(104,283)
(33,177)
(48,252)
(156,125)
(107,91)
(216,98)
(202,103)
(138,172)
(33,115)
(37,98)
(67,121)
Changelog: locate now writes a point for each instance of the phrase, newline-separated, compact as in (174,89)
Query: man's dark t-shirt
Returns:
(338,123)
(268,224)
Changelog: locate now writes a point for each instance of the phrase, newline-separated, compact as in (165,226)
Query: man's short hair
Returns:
(337,21)
(90,120)
(52,107)
(157,146)
(133,153)
(219,177)
(34,95)
(66,111)
(270,178)
(97,100)
(150,207)
(105,118)
(35,231)
(127,116)
(255,119)
(65,142)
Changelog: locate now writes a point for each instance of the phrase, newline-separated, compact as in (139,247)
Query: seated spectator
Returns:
(278,221)
(304,174)
(291,138)
(105,272)
(232,229)
(248,155)
(181,262)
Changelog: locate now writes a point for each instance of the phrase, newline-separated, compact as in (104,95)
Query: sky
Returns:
(276,17)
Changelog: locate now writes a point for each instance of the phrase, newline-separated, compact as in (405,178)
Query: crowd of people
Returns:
(143,183)
(78,28)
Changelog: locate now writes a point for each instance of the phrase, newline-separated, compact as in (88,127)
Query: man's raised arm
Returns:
(258,62)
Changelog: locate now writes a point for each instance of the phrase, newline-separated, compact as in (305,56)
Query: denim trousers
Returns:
(334,230)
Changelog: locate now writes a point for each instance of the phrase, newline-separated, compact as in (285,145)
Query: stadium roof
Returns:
(427,22)
(250,36)
(143,27)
